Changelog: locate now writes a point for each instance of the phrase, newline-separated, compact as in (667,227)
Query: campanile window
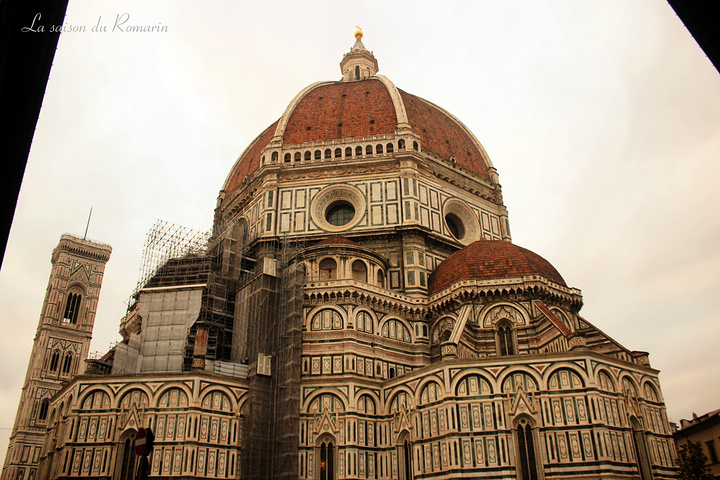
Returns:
(72,307)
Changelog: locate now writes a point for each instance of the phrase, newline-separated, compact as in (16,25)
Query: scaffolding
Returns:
(165,244)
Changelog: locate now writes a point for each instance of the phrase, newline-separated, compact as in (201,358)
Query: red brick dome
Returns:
(488,260)
(345,110)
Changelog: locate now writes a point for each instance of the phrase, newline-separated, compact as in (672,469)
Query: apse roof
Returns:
(488,260)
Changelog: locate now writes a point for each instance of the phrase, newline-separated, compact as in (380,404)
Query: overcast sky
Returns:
(601,117)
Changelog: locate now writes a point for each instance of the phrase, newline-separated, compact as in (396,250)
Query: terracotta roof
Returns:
(336,240)
(491,259)
(249,161)
(441,134)
(342,110)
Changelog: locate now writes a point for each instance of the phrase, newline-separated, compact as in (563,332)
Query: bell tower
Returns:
(60,348)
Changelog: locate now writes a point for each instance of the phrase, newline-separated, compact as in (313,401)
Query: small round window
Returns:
(340,213)
(455,225)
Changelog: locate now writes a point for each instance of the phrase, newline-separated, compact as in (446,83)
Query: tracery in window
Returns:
(366,405)
(396,330)
(327,460)
(67,363)
(472,386)
(505,339)
(72,307)
(364,322)
(565,379)
(527,460)
(54,361)
(327,319)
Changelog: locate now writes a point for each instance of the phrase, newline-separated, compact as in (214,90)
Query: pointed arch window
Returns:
(54,361)
(405,460)
(126,457)
(641,453)
(43,411)
(327,460)
(67,363)
(527,459)
(72,307)
(505,339)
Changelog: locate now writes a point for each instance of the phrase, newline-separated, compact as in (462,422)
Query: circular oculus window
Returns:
(461,222)
(337,208)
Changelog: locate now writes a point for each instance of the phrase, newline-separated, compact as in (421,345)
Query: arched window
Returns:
(358,151)
(416,146)
(327,319)
(348,152)
(67,363)
(359,271)
(308,155)
(357,72)
(368,150)
(43,410)
(401,144)
(338,153)
(390,148)
(274,156)
(54,361)
(318,154)
(328,269)
(396,330)
(328,153)
(298,156)
(364,322)
(527,460)
(505,339)
(72,307)
(287,158)
(327,460)
(379,148)
(381,279)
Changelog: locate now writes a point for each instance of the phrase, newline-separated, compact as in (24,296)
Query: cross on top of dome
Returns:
(359,63)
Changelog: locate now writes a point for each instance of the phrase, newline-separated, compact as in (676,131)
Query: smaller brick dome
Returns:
(491,259)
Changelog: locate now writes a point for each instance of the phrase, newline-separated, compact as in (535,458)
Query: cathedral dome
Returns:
(490,260)
(362,111)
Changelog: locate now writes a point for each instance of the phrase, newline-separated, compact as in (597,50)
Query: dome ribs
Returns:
(342,110)
(249,161)
(441,134)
